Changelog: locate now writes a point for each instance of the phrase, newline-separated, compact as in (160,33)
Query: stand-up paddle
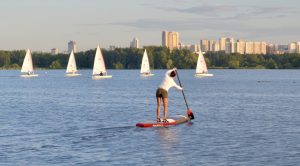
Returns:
(189,111)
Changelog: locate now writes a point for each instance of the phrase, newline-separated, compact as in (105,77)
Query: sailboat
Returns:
(27,67)
(201,69)
(99,70)
(71,68)
(145,67)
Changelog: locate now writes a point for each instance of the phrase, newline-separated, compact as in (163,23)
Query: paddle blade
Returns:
(190,114)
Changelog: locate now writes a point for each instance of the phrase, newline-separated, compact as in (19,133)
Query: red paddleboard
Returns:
(171,121)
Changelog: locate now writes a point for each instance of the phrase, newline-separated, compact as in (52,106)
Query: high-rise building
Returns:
(54,51)
(72,45)
(283,48)
(292,47)
(170,40)
(240,47)
(215,46)
(204,45)
(173,40)
(184,46)
(263,47)
(191,47)
(256,48)
(222,42)
(229,46)
(134,43)
(298,47)
(271,49)
(210,45)
(249,47)
(164,38)
(195,48)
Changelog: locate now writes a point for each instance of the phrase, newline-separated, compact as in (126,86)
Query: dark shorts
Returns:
(161,93)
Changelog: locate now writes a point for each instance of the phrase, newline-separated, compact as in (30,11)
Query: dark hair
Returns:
(173,74)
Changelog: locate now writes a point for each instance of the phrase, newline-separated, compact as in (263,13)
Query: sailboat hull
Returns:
(73,74)
(29,76)
(147,75)
(97,77)
(203,75)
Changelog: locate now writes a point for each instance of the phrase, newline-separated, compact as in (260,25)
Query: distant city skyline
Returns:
(43,25)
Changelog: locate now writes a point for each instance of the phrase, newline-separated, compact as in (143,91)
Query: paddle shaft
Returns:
(187,107)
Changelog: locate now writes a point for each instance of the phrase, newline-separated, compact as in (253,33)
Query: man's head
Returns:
(173,73)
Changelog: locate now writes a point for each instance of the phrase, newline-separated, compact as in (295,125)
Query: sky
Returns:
(44,24)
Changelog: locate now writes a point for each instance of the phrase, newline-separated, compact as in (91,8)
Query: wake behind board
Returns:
(171,121)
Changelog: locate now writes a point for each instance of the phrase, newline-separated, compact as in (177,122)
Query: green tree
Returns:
(55,65)
(271,64)
(118,65)
(234,64)
(170,64)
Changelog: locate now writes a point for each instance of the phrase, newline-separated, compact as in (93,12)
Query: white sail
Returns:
(99,66)
(27,66)
(201,64)
(71,68)
(145,68)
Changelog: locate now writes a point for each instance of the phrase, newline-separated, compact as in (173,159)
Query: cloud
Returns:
(212,21)
(180,25)
(154,24)
(233,11)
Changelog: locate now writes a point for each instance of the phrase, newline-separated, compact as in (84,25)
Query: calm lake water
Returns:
(243,117)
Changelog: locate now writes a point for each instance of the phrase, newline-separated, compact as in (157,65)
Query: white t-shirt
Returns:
(169,82)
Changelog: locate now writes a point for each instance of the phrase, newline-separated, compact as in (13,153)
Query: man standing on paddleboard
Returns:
(162,92)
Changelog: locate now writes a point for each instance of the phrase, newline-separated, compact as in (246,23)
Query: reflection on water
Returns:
(168,140)
(167,137)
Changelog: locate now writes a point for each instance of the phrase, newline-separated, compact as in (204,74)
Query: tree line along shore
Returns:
(159,58)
